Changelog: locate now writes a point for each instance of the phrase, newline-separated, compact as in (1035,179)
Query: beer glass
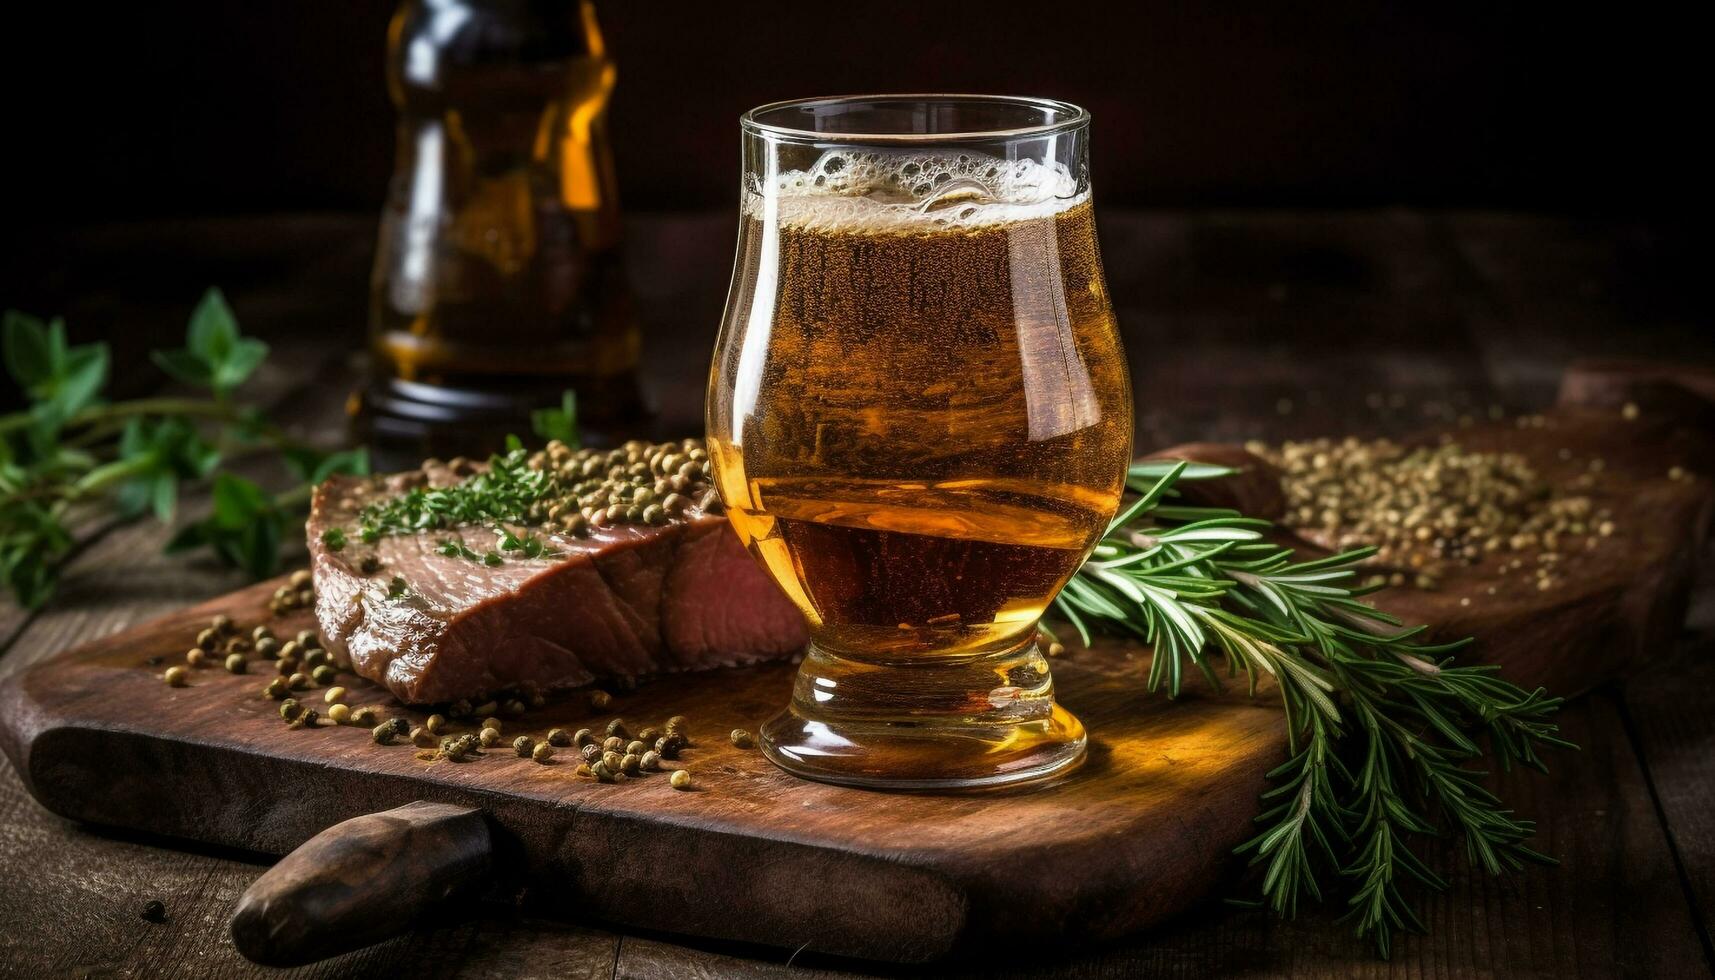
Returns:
(920,419)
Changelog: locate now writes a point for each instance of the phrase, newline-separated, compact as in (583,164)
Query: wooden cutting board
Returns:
(1143,829)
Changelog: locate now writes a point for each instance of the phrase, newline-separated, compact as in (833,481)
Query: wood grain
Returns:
(1239,325)
(1675,736)
(1167,793)
(98,738)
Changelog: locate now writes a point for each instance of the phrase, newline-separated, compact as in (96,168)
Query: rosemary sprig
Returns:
(1381,726)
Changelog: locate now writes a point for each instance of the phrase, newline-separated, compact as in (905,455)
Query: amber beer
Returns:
(920,421)
(928,468)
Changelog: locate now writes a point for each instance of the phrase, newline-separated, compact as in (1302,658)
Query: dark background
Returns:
(1467,194)
(216,107)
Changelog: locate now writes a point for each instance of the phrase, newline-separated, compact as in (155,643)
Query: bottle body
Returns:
(498,281)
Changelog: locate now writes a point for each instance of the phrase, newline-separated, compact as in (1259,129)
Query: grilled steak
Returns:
(628,599)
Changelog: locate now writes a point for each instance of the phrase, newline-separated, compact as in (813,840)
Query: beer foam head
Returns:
(867,191)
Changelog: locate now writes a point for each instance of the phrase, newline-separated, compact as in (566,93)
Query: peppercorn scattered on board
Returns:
(742,851)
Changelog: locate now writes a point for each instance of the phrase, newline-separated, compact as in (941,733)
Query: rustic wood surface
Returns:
(1168,791)
(1239,326)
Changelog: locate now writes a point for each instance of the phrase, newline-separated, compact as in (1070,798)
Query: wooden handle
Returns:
(361,881)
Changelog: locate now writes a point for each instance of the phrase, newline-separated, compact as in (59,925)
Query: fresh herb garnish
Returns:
(70,460)
(1380,725)
(507,492)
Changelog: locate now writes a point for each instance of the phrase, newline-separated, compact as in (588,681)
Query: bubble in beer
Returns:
(873,191)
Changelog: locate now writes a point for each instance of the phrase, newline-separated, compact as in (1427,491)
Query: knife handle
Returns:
(361,881)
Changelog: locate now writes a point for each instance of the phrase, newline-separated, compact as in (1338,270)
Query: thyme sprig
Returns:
(1382,726)
(70,460)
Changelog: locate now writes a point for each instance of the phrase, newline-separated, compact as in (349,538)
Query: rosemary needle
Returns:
(1380,725)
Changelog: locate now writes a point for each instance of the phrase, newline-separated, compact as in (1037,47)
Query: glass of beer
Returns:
(920,420)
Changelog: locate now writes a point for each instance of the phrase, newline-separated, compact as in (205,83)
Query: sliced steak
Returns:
(625,601)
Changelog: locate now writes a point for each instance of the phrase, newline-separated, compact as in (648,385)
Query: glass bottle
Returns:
(497,281)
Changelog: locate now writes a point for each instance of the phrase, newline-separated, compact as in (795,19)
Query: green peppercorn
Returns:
(488,736)
(383,734)
(669,745)
(305,719)
(422,736)
(599,700)
(290,708)
(613,743)
(324,674)
(676,724)
(741,738)
(681,779)
(268,648)
(616,727)
(458,747)
(365,716)
(287,666)
(195,658)
(291,650)
(493,723)
(221,624)
(261,633)
(602,772)
(559,737)
(334,695)
(401,727)
(650,761)
(435,724)
(235,663)
(636,747)
(276,689)
(308,638)
(208,639)
(238,644)
(315,657)
(631,764)
(542,752)
(649,735)
(176,676)
(523,745)
(298,682)
(583,737)
(339,714)
(613,760)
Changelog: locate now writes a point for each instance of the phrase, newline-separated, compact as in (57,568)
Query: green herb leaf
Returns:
(184,366)
(559,423)
(246,355)
(213,331)
(1382,727)
(28,357)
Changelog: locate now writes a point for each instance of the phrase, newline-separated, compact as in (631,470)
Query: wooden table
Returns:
(1239,325)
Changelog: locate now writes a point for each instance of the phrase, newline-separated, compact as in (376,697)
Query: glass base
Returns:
(968,723)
